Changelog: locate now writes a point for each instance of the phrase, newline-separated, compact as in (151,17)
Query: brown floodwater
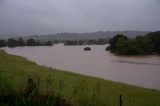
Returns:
(141,71)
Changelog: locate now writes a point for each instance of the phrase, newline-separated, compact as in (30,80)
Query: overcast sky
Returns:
(53,16)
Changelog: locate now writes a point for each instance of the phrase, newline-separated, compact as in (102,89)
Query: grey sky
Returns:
(53,16)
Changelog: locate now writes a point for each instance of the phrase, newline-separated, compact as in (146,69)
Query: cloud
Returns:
(52,16)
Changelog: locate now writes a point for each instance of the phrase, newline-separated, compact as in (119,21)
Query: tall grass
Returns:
(29,95)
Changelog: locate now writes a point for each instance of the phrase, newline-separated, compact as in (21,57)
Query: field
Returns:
(23,82)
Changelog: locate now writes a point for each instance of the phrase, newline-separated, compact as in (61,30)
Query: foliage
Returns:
(117,41)
(3,43)
(12,42)
(69,42)
(31,42)
(48,43)
(86,42)
(20,42)
(155,40)
(141,45)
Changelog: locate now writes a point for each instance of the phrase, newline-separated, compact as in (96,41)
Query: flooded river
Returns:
(142,71)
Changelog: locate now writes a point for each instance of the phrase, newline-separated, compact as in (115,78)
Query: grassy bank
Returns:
(20,77)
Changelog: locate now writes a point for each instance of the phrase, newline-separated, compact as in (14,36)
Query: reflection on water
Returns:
(136,70)
(132,62)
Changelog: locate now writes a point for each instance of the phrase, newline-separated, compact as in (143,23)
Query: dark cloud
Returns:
(52,16)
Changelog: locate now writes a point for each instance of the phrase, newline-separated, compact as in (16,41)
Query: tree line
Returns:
(20,42)
(86,42)
(140,45)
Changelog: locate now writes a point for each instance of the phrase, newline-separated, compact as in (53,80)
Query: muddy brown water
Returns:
(141,71)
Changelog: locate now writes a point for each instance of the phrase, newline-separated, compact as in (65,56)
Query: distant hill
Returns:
(6,36)
(82,36)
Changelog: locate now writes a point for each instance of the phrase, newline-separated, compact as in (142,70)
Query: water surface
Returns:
(142,71)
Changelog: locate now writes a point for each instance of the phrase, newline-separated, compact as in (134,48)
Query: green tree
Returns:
(70,42)
(101,41)
(12,42)
(56,41)
(49,43)
(80,42)
(121,45)
(31,42)
(3,43)
(21,42)
(91,42)
(141,45)
(155,40)
(113,42)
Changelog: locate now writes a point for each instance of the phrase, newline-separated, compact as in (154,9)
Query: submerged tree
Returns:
(116,43)
(141,45)
(48,43)
(21,42)
(3,43)
(12,42)
(31,42)
(155,40)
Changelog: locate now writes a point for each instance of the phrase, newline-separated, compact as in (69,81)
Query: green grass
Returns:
(75,89)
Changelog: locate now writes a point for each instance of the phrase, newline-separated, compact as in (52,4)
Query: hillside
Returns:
(7,36)
(85,36)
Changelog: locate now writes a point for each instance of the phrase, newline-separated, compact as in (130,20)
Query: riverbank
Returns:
(75,89)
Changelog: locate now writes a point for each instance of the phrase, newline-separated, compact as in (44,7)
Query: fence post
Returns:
(120,100)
